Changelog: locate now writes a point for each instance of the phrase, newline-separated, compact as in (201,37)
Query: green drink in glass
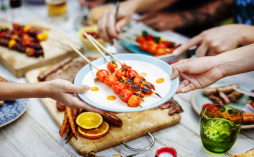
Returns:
(219,127)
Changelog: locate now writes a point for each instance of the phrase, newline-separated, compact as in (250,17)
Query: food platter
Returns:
(153,67)
(198,99)
(135,49)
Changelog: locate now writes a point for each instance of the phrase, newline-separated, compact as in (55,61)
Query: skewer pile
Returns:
(125,82)
(25,39)
(154,45)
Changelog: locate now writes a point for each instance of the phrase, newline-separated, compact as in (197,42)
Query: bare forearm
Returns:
(236,61)
(247,33)
(11,91)
(138,6)
(214,11)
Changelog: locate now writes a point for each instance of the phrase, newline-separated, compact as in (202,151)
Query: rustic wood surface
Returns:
(36,134)
(55,49)
(134,124)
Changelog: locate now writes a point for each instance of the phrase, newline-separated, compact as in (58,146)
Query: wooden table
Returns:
(36,134)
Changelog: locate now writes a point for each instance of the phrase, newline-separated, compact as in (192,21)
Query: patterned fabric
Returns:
(244,12)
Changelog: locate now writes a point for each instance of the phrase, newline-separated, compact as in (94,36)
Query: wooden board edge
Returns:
(84,151)
(5,64)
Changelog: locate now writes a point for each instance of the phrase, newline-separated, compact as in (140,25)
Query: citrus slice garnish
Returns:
(95,133)
(89,120)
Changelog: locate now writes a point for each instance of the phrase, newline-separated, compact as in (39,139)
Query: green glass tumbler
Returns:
(219,127)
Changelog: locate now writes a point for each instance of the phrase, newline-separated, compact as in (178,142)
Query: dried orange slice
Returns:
(89,120)
(94,133)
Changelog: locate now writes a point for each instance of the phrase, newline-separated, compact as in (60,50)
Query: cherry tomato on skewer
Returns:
(151,42)
(120,73)
(146,87)
(134,101)
(131,74)
(125,94)
(140,39)
(118,86)
(169,50)
(161,45)
(143,46)
(112,66)
(149,36)
(133,88)
(160,51)
(140,94)
(101,74)
(110,80)
(138,80)
(126,67)
(128,81)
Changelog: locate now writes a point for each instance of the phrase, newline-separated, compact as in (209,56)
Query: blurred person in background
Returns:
(94,3)
(196,15)
(189,17)
(224,38)
(210,42)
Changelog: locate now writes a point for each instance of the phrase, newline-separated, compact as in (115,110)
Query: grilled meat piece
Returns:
(215,99)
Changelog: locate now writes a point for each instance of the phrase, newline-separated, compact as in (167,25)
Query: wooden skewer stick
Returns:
(156,93)
(128,36)
(83,56)
(106,50)
(89,37)
(130,41)
(131,31)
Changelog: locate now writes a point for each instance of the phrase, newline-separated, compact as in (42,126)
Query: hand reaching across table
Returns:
(201,72)
(218,40)
(60,90)
(107,26)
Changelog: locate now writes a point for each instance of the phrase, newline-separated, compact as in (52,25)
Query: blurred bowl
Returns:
(86,42)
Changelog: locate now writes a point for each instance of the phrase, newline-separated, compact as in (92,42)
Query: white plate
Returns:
(154,68)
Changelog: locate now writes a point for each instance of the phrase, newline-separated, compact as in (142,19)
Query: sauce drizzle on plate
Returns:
(94,89)
(111,98)
(160,80)
(143,74)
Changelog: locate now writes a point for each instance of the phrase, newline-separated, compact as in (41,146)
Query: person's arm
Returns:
(237,61)
(219,39)
(107,26)
(60,90)
(12,91)
(201,72)
(209,13)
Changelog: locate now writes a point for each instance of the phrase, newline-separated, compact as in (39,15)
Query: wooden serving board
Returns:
(134,124)
(55,49)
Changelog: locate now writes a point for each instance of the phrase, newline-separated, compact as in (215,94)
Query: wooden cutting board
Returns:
(134,124)
(55,50)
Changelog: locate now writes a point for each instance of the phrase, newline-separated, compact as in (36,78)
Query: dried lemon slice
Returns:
(89,120)
(94,133)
